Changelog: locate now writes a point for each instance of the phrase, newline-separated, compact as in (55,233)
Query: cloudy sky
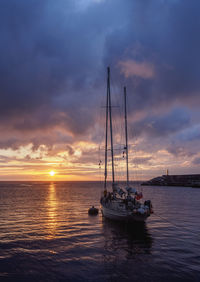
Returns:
(53,60)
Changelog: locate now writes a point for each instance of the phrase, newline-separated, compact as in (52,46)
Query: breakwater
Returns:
(186,180)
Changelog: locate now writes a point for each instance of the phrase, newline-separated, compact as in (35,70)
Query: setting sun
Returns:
(52,173)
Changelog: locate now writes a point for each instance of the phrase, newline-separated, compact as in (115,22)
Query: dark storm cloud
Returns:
(53,56)
(141,160)
(46,51)
(164,125)
(50,62)
(164,34)
(179,151)
(196,161)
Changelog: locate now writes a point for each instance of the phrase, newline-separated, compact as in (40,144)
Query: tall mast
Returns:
(106,140)
(111,136)
(126,136)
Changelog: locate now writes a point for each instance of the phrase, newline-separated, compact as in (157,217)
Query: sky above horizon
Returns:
(54,56)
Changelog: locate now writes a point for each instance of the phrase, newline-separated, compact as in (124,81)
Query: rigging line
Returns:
(136,169)
(126,137)
(121,134)
(116,122)
(100,164)
(135,154)
(110,118)
(100,138)
(175,225)
(106,137)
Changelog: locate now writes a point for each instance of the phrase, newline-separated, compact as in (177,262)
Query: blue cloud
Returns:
(54,57)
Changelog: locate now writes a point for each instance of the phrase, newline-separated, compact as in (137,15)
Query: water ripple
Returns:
(47,235)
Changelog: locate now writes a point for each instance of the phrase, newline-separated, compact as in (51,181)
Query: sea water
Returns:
(46,234)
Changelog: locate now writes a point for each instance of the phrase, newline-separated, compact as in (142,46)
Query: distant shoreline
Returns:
(186,180)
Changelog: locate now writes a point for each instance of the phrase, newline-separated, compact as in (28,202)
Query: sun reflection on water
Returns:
(51,211)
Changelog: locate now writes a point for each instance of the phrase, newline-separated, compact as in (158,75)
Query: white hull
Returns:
(122,215)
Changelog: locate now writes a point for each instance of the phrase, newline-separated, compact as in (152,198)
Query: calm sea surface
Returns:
(47,235)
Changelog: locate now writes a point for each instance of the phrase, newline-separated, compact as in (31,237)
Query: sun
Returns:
(52,173)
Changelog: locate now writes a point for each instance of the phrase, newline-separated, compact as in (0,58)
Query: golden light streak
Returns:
(51,212)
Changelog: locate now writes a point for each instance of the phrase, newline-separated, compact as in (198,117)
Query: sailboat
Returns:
(120,204)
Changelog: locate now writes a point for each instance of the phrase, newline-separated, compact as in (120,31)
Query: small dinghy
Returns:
(93,211)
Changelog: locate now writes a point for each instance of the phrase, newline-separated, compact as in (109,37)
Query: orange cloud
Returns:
(141,69)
